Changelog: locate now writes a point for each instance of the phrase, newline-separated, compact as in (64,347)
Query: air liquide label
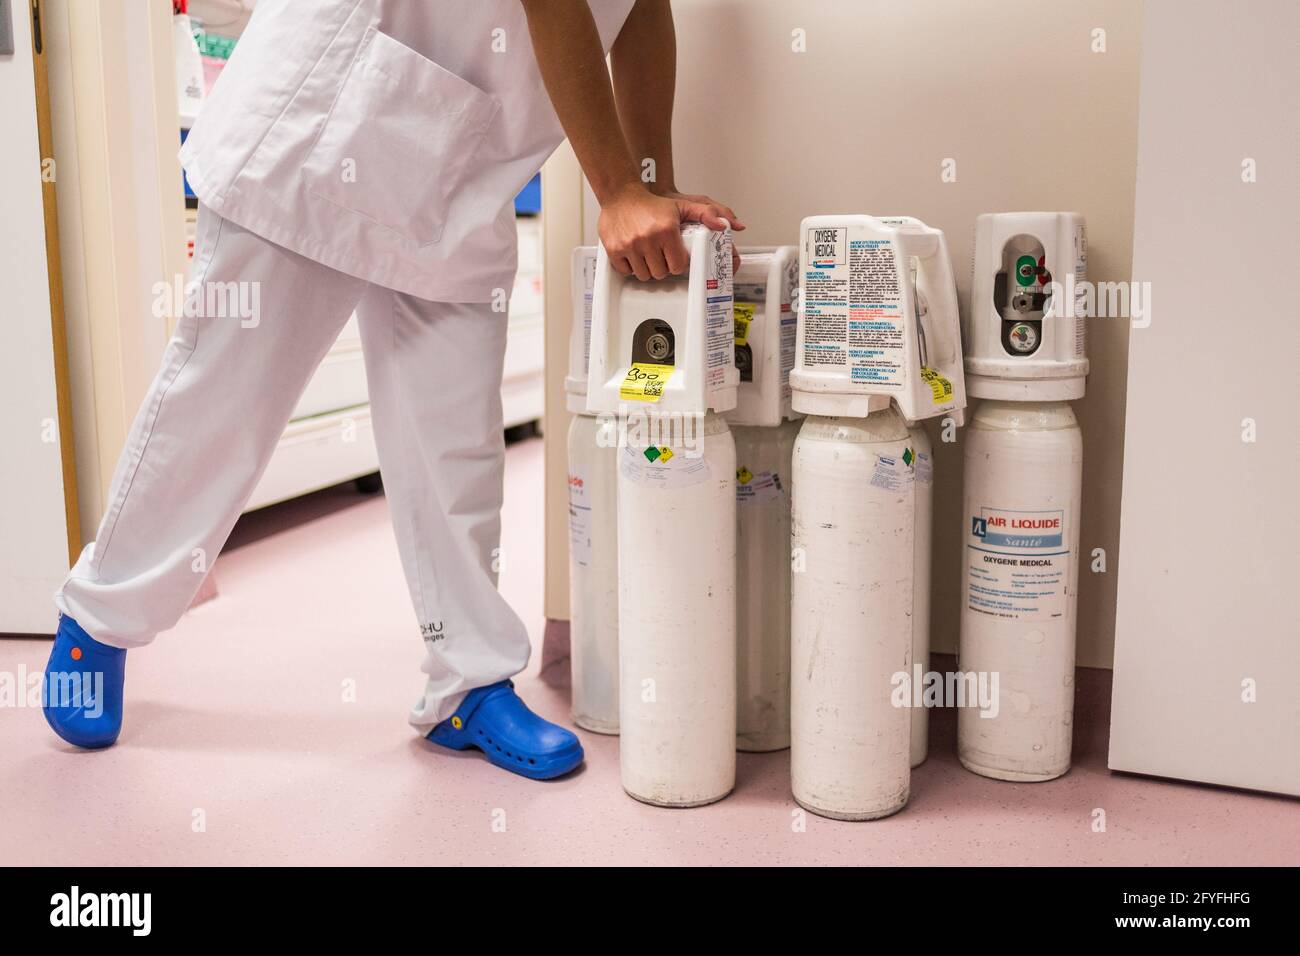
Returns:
(853,306)
(579,520)
(1017,563)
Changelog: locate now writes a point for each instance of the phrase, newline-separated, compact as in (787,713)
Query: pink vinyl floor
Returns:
(241,746)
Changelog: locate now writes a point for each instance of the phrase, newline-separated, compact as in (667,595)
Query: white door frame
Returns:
(38,515)
(116,139)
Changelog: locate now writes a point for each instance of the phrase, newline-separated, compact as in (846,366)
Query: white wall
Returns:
(1208,597)
(860,122)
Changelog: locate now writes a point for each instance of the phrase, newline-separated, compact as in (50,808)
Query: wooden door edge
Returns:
(58,327)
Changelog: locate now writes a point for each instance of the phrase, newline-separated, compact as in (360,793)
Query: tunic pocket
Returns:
(399,139)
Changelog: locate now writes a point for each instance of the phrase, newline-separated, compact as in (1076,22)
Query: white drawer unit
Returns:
(315,453)
(523,386)
(1205,629)
(340,382)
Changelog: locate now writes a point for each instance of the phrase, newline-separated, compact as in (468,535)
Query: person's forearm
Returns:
(639,226)
(644,63)
(572,63)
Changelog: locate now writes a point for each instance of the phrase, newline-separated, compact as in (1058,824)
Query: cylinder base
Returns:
(854,817)
(762,743)
(650,801)
(1012,776)
(596,726)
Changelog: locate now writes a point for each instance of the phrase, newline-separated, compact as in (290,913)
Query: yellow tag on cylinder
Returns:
(940,387)
(644,382)
(744,315)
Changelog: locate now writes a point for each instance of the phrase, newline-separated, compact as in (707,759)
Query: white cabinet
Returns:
(1205,632)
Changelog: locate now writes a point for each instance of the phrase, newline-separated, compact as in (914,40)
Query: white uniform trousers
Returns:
(219,405)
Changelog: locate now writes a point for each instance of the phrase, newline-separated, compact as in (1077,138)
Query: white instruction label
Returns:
(579,520)
(1017,564)
(588,295)
(662,466)
(893,473)
(853,306)
(719,326)
(789,325)
(924,469)
(1080,277)
(758,487)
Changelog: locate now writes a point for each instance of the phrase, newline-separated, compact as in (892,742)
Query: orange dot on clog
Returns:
(76,653)
(457,723)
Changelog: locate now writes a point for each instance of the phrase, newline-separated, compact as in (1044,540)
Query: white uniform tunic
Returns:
(384,138)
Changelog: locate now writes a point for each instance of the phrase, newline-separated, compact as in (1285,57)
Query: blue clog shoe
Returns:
(497,722)
(82,690)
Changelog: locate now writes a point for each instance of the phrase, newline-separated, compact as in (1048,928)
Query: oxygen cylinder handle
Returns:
(935,354)
(917,243)
(934,281)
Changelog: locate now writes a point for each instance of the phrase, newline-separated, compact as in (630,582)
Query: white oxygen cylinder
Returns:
(924,466)
(851,600)
(763,455)
(593,572)
(765,333)
(593,525)
(677,695)
(1024,464)
(1026,357)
